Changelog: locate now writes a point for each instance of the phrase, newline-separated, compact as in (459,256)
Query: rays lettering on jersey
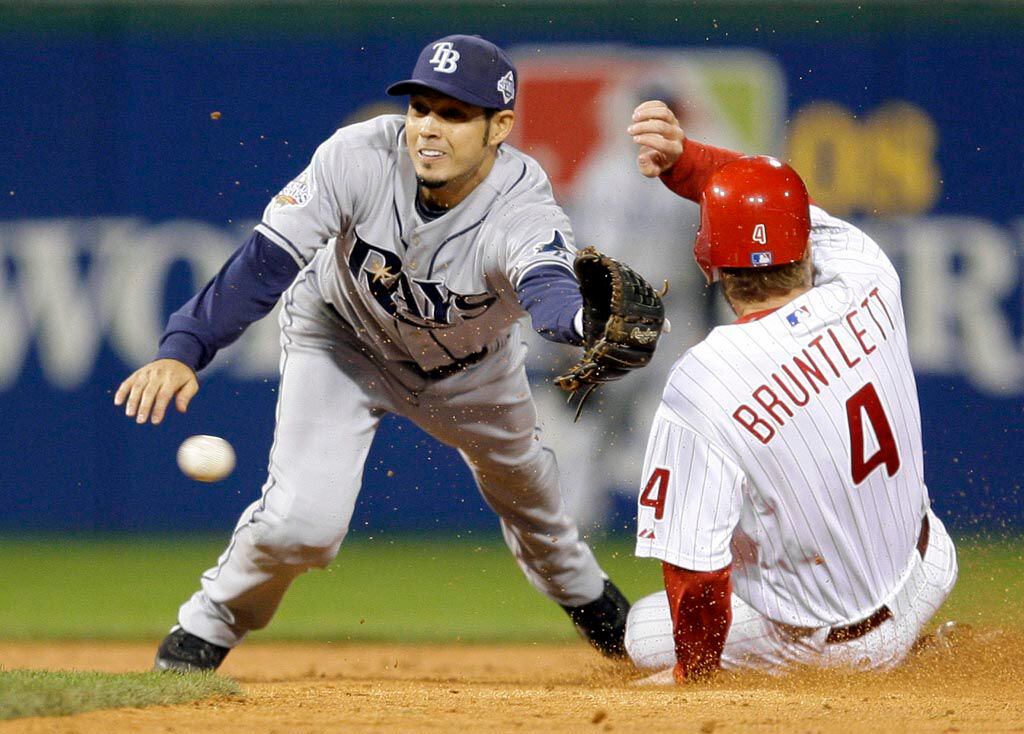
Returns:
(426,303)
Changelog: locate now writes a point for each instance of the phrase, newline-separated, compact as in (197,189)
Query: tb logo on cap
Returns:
(444,58)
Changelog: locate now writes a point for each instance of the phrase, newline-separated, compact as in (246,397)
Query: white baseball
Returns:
(206,458)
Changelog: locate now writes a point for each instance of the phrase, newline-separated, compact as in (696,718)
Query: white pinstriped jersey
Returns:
(790,446)
(430,291)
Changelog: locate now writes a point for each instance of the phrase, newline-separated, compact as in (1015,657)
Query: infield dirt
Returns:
(306,688)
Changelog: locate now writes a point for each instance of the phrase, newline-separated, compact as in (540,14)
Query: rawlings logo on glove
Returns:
(623,317)
(644,336)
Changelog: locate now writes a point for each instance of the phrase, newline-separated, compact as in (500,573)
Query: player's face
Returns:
(452,144)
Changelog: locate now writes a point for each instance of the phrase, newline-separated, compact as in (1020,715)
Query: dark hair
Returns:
(489,113)
(752,285)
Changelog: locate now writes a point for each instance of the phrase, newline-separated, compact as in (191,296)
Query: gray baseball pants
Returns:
(333,394)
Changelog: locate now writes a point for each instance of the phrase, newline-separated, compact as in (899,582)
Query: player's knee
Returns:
(516,468)
(519,447)
(300,541)
(649,640)
(312,552)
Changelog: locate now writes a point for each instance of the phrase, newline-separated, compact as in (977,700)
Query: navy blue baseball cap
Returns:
(468,68)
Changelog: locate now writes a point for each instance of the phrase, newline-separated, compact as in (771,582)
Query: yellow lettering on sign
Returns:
(906,175)
(884,164)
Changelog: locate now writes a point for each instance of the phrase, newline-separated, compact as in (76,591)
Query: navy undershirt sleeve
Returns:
(551,295)
(244,291)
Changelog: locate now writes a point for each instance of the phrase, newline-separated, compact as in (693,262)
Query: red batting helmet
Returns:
(754,212)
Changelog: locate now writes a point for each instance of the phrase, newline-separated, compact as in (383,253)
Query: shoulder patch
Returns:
(295,193)
(556,246)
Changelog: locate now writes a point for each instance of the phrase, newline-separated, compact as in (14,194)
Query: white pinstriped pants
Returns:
(758,643)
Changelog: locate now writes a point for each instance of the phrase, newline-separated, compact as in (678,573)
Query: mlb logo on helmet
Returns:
(468,68)
(760,259)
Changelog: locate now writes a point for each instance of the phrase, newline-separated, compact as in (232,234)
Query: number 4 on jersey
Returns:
(655,492)
(866,402)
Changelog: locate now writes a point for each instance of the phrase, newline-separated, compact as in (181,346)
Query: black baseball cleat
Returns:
(602,622)
(183,652)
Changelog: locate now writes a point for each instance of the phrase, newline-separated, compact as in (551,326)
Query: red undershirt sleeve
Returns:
(701,607)
(693,168)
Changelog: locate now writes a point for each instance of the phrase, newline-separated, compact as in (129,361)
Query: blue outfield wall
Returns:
(121,191)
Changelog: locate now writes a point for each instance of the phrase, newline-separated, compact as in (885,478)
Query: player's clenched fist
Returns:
(659,135)
(150,388)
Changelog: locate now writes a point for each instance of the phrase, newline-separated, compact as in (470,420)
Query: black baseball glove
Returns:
(623,317)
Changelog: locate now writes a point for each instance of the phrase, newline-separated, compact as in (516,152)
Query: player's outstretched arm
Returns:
(660,137)
(244,290)
(147,391)
(684,165)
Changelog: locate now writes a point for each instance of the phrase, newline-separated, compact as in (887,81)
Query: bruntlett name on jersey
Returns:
(427,303)
(824,358)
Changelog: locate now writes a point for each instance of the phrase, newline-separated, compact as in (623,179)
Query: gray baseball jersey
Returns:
(411,295)
(431,292)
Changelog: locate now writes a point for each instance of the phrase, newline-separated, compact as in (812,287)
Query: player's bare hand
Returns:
(660,137)
(147,391)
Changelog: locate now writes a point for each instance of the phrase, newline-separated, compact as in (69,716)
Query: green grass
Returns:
(389,589)
(59,693)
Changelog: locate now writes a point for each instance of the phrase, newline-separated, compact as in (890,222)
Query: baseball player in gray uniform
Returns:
(407,251)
